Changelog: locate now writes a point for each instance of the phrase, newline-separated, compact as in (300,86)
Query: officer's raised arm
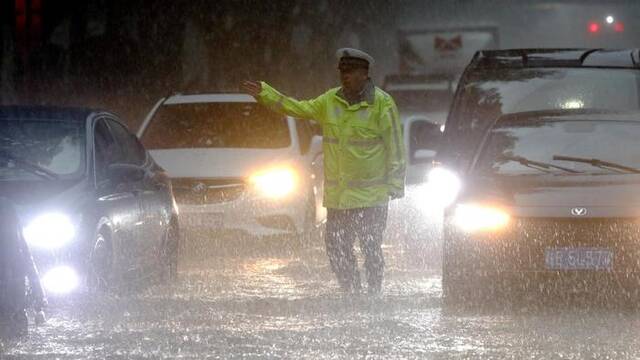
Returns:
(276,101)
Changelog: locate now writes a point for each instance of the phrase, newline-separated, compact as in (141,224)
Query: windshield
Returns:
(422,101)
(30,149)
(491,93)
(216,125)
(541,147)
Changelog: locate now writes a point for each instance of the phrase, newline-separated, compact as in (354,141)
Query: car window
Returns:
(304,135)
(491,93)
(132,151)
(540,141)
(107,151)
(57,146)
(422,101)
(216,125)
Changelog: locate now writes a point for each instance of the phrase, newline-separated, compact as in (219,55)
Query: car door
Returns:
(117,199)
(152,194)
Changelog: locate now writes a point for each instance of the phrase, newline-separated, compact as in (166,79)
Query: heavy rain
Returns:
(298,179)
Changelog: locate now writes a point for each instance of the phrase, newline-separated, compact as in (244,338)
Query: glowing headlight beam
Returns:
(60,280)
(474,218)
(275,183)
(442,187)
(49,231)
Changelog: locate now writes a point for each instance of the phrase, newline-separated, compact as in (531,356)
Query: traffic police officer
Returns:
(364,163)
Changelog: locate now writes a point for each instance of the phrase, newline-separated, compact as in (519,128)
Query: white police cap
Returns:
(354,54)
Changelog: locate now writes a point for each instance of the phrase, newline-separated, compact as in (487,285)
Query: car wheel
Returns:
(169,256)
(100,276)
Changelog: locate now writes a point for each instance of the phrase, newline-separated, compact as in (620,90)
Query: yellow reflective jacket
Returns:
(364,154)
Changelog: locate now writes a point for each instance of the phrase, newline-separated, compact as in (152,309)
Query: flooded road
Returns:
(271,300)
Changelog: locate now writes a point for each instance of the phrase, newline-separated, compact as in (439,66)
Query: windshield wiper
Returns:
(31,167)
(599,163)
(538,165)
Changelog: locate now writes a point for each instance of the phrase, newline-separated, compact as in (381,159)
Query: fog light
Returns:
(474,218)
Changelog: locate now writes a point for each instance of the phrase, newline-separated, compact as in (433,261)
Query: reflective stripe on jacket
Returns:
(364,154)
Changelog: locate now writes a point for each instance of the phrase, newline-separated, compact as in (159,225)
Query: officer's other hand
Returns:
(253,88)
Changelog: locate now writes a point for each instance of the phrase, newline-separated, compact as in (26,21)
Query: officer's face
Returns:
(352,78)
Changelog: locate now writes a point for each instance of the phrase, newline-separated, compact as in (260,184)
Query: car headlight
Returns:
(60,280)
(442,187)
(475,218)
(49,231)
(275,182)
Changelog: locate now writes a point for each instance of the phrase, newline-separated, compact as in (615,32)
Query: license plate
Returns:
(578,259)
(208,220)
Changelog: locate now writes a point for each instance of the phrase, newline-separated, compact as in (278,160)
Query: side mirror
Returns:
(424,155)
(125,172)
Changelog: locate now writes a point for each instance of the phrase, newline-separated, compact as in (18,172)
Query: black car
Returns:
(541,143)
(550,206)
(96,210)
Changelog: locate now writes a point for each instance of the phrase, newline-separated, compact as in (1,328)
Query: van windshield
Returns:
(216,125)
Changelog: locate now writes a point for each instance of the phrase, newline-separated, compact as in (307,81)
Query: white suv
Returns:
(236,165)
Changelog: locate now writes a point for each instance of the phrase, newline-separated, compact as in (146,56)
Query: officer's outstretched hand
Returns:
(253,88)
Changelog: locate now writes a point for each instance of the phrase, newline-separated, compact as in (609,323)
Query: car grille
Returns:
(522,246)
(207,191)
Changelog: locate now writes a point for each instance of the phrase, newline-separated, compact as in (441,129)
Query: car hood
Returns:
(203,163)
(601,196)
(35,197)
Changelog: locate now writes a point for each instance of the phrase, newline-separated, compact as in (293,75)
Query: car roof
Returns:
(45,112)
(209,98)
(623,58)
(570,115)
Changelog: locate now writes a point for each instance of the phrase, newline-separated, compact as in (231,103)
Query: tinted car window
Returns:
(216,125)
(540,141)
(54,145)
(106,149)
(132,151)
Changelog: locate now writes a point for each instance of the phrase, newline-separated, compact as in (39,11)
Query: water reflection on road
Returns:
(269,299)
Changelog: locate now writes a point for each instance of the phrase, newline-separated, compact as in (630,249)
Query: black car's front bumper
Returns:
(514,258)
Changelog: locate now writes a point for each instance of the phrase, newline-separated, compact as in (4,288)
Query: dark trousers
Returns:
(343,228)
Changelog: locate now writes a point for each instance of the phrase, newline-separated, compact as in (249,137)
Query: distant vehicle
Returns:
(549,208)
(237,166)
(537,160)
(96,210)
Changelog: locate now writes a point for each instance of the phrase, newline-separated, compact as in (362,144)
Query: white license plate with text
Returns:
(582,258)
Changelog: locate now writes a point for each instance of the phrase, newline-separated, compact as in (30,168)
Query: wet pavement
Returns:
(270,299)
